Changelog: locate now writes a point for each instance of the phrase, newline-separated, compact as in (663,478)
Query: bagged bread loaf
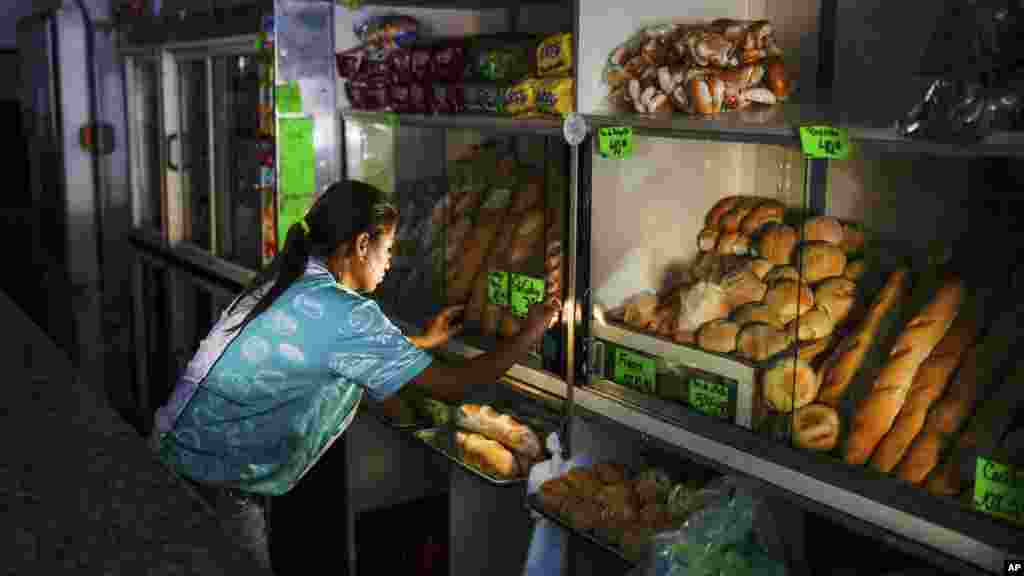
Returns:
(928,385)
(487,455)
(876,413)
(700,304)
(500,427)
(821,260)
(843,365)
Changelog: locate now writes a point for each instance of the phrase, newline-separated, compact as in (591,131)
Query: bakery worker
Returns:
(280,375)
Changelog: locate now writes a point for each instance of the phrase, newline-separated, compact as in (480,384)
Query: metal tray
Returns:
(442,440)
(533,501)
(420,424)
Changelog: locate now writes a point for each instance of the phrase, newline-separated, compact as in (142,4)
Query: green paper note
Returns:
(634,370)
(711,398)
(616,143)
(825,142)
(296,172)
(497,288)
(525,291)
(999,490)
(289,98)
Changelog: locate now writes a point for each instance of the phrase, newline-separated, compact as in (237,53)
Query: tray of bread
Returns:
(618,509)
(497,444)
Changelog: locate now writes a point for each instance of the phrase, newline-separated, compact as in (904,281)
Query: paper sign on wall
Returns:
(289,98)
(616,143)
(999,490)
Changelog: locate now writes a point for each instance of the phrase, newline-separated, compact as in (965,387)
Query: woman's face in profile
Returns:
(370,273)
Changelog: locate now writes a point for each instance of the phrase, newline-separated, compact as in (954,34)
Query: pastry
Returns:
(821,260)
(777,242)
(640,312)
(759,342)
(757,312)
(823,229)
(760,267)
(836,296)
(787,298)
(732,219)
(767,211)
(488,455)
(813,325)
(741,287)
(714,216)
(732,243)
(718,336)
(790,383)
(816,427)
(782,273)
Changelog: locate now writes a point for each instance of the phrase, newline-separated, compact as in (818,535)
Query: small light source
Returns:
(242,63)
(599,314)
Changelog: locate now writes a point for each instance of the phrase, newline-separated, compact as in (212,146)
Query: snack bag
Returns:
(554,55)
(522,97)
(387,31)
(555,96)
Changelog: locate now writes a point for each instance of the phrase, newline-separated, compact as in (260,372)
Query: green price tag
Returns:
(709,397)
(825,142)
(999,490)
(634,370)
(497,288)
(525,292)
(615,143)
(289,98)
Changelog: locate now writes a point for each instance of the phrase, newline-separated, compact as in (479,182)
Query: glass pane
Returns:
(245,161)
(195,141)
(480,213)
(147,138)
(693,254)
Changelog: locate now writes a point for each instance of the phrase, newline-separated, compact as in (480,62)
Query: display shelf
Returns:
(891,510)
(469,121)
(533,502)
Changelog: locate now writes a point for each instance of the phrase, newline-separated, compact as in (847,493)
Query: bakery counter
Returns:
(84,494)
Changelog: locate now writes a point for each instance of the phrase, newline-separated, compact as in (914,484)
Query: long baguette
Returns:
(840,368)
(488,455)
(877,411)
(499,427)
(930,382)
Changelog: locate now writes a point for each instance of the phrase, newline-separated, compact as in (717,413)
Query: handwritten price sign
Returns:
(825,142)
(710,397)
(634,370)
(999,490)
(526,291)
(615,143)
(497,288)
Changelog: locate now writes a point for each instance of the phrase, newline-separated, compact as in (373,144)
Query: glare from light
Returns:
(598,313)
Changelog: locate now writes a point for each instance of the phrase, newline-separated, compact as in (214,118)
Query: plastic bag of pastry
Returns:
(386,31)
(555,96)
(554,55)
(522,98)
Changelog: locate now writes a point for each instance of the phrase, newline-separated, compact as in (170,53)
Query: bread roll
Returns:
(823,229)
(760,267)
(488,455)
(821,260)
(640,311)
(767,211)
(584,482)
(853,239)
(836,296)
(714,217)
(718,336)
(702,303)
(878,410)
(707,240)
(789,384)
(733,243)
(610,473)
(840,368)
(813,325)
(732,219)
(527,236)
(757,312)
(816,427)
(855,270)
(743,287)
(500,427)
(759,342)
(787,298)
(782,273)
(553,493)
(810,350)
(929,383)
(777,242)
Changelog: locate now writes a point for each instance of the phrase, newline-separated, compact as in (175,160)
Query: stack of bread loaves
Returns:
(496,443)
(757,289)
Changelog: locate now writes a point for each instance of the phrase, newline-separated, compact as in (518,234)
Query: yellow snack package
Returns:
(555,96)
(522,97)
(554,55)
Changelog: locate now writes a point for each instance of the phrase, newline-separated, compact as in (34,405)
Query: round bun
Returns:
(718,336)
(816,427)
(823,229)
(777,242)
(820,260)
(789,383)
(787,298)
(836,296)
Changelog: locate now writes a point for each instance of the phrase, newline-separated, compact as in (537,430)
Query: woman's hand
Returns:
(442,327)
(541,317)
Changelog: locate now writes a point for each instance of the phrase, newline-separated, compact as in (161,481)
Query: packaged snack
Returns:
(522,97)
(555,96)
(369,93)
(420,100)
(351,62)
(387,31)
(376,65)
(485,96)
(422,64)
(400,97)
(447,99)
(500,57)
(450,61)
(400,65)
(554,55)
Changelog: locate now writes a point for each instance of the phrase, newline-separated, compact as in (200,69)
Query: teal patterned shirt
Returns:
(257,408)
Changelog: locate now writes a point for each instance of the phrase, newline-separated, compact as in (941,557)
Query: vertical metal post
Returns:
(816,187)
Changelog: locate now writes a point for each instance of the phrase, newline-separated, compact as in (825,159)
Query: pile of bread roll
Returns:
(760,286)
(607,501)
(496,443)
(498,222)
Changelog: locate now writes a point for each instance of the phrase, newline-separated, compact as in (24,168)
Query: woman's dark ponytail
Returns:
(345,210)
